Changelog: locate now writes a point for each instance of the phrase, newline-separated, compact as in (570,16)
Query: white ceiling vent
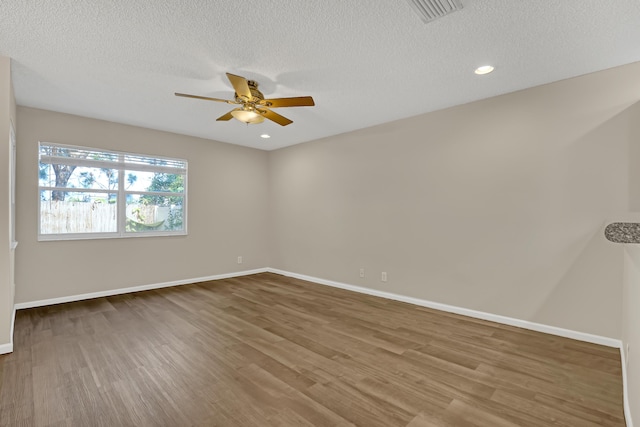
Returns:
(429,10)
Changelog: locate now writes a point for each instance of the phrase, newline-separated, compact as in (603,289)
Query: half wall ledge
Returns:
(623,232)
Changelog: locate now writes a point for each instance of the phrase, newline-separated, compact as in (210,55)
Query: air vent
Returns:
(429,10)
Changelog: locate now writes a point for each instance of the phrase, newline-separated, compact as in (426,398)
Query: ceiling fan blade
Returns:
(206,98)
(240,85)
(275,117)
(300,101)
(227,116)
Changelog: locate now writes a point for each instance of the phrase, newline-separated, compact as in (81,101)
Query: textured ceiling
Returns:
(365,62)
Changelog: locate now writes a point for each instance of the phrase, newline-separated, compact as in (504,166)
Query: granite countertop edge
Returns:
(623,232)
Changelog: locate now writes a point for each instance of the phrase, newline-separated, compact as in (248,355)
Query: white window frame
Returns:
(136,162)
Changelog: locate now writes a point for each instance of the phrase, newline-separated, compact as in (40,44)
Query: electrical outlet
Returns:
(239,260)
(362,272)
(384,276)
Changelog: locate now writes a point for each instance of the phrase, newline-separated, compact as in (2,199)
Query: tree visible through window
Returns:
(88,193)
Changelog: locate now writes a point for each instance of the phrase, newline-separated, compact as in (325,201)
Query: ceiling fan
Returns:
(253,107)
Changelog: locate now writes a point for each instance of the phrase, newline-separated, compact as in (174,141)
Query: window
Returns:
(85,193)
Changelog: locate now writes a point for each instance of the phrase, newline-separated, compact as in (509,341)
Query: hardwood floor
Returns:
(266,350)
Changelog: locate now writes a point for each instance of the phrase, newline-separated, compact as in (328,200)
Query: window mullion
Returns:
(76,189)
(156,193)
(122,205)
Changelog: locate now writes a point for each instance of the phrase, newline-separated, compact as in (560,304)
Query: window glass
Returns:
(147,212)
(65,212)
(154,181)
(78,177)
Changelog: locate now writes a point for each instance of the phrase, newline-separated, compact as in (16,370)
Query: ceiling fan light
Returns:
(248,117)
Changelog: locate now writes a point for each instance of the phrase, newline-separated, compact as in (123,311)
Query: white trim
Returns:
(80,297)
(13,323)
(625,388)
(12,185)
(553,330)
(8,348)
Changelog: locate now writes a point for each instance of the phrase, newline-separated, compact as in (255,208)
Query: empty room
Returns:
(320,213)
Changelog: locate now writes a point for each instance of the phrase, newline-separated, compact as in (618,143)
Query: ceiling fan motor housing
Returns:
(255,93)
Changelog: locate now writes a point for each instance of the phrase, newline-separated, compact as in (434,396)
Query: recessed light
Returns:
(265,136)
(485,69)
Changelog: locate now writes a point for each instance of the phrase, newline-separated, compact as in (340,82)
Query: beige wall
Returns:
(634,160)
(631,289)
(227,213)
(497,206)
(7,105)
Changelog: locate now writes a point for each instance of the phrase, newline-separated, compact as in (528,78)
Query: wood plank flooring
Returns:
(266,350)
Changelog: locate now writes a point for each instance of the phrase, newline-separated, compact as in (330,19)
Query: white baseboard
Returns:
(553,330)
(8,348)
(625,388)
(80,297)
